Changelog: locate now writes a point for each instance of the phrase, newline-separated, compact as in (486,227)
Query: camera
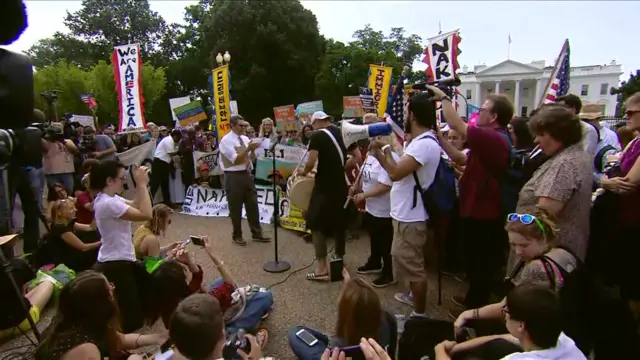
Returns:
(87,144)
(235,342)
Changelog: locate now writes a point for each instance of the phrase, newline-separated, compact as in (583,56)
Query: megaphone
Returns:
(352,133)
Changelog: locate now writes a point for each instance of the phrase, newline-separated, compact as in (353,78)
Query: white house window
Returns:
(585,90)
(468,94)
(604,89)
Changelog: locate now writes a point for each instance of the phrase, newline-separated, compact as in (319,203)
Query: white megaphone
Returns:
(352,133)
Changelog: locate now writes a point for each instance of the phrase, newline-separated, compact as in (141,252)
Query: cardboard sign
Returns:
(285,117)
(352,106)
(190,113)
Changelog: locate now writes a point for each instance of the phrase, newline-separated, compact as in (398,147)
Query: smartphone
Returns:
(306,336)
(352,351)
(335,268)
(186,242)
(196,240)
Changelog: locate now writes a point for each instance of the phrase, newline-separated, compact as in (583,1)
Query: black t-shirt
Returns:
(61,251)
(330,176)
(13,313)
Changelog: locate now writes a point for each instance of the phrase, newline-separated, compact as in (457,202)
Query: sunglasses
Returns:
(525,219)
(630,113)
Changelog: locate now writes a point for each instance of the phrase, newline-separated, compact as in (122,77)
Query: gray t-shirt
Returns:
(103,142)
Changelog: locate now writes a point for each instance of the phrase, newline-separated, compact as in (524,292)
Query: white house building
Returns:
(525,84)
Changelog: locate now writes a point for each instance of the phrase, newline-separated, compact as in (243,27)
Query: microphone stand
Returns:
(276,265)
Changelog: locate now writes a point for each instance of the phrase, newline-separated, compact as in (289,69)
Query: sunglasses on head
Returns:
(525,219)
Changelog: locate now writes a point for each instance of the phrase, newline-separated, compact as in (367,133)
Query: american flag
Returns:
(89,100)
(559,81)
(394,115)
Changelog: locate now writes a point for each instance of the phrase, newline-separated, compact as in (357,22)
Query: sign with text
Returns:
(441,56)
(305,110)
(202,201)
(221,100)
(287,158)
(379,80)
(291,217)
(285,117)
(190,113)
(352,106)
(209,158)
(127,64)
(84,120)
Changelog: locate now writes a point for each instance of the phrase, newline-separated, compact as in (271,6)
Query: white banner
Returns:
(84,120)
(136,156)
(127,64)
(202,201)
(209,158)
(441,56)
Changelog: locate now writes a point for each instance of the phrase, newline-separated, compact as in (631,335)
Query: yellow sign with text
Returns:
(291,217)
(221,99)
(379,80)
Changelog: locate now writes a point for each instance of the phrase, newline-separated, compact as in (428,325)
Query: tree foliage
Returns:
(72,81)
(625,90)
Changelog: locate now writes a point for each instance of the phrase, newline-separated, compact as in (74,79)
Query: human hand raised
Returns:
(438,94)
(140,175)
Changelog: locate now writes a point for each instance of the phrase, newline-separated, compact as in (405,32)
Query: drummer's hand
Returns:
(352,190)
(358,198)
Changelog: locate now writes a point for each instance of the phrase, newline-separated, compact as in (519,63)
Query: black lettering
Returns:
(437,48)
(125,52)
(442,64)
(201,196)
(282,153)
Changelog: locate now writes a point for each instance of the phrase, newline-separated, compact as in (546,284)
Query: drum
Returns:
(300,189)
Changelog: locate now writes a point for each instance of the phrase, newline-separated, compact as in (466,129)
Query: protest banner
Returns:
(234,107)
(379,80)
(127,64)
(209,158)
(441,56)
(84,120)
(203,201)
(285,117)
(305,110)
(190,113)
(135,156)
(287,158)
(352,106)
(291,217)
(368,104)
(221,100)
(177,102)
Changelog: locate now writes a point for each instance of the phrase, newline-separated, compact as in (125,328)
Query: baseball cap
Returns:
(320,115)
(203,167)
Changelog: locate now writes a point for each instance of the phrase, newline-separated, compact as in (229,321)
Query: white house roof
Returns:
(509,67)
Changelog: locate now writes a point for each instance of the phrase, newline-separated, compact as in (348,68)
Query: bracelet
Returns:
(476,313)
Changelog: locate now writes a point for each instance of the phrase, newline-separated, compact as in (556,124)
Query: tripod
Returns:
(6,264)
(275,266)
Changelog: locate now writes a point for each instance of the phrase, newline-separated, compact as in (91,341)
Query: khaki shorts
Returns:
(407,251)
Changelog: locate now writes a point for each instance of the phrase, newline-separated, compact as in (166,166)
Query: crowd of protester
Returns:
(543,205)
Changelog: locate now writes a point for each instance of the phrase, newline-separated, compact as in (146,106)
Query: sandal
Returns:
(312,276)
(261,337)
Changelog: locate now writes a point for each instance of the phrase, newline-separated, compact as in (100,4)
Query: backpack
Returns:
(441,196)
(595,318)
(511,183)
(598,163)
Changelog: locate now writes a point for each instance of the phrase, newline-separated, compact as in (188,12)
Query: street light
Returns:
(221,60)
(227,57)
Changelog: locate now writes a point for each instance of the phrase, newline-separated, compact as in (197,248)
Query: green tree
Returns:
(345,67)
(69,80)
(626,89)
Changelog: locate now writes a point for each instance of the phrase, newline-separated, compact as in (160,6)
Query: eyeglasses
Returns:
(630,113)
(123,178)
(525,219)
(504,310)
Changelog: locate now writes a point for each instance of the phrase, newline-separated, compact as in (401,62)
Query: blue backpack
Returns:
(441,196)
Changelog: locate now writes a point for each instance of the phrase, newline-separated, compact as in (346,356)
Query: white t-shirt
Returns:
(116,233)
(228,146)
(566,349)
(427,153)
(608,137)
(165,147)
(373,174)
(589,139)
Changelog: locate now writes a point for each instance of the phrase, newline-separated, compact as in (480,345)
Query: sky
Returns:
(597,30)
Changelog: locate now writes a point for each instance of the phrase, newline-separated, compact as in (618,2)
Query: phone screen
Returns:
(186,242)
(196,240)
(335,267)
(306,336)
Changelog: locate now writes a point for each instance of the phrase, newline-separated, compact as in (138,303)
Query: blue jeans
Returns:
(259,304)
(64,179)
(304,351)
(37,181)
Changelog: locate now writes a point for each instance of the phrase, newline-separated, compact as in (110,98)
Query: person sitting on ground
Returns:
(174,280)
(86,324)
(533,317)
(533,239)
(13,320)
(357,305)
(57,191)
(84,203)
(206,179)
(66,247)
(197,331)
(146,240)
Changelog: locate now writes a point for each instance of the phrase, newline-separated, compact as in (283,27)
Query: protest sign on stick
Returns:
(285,117)
(127,64)
(190,113)
(352,106)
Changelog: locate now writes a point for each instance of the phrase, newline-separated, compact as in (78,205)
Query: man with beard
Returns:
(326,216)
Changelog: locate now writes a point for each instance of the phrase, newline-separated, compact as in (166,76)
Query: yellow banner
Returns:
(379,80)
(291,217)
(221,99)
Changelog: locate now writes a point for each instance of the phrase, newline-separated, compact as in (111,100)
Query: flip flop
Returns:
(262,336)
(312,276)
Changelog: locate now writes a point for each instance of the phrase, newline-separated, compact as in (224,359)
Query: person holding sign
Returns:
(236,151)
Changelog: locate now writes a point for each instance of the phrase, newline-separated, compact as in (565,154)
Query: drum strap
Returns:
(335,142)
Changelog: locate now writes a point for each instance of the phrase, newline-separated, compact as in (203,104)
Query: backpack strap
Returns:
(335,142)
(417,189)
(597,160)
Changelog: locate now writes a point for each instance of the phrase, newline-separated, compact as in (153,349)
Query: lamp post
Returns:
(223,59)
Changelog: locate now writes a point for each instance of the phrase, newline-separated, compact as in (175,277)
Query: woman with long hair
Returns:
(86,324)
(267,130)
(67,248)
(56,191)
(146,240)
(114,214)
(360,315)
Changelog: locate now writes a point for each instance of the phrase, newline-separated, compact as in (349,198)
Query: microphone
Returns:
(439,84)
(272,148)
(14,21)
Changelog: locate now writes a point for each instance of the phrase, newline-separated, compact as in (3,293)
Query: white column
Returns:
(536,96)
(516,99)
(478,97)
(497,89)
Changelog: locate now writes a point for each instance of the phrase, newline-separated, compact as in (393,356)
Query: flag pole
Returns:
(509,48)
(553,74)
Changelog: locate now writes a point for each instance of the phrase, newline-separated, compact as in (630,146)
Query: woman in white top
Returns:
(376,185)
(114,214)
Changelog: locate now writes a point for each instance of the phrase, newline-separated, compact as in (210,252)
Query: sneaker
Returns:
(369,268)
(383,281)
(261,238)
(239,240)
(458,300)
(405,298)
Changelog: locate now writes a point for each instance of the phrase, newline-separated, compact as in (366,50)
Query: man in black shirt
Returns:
(326,216)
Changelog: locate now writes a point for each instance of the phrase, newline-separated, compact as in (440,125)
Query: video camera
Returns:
(447,86)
